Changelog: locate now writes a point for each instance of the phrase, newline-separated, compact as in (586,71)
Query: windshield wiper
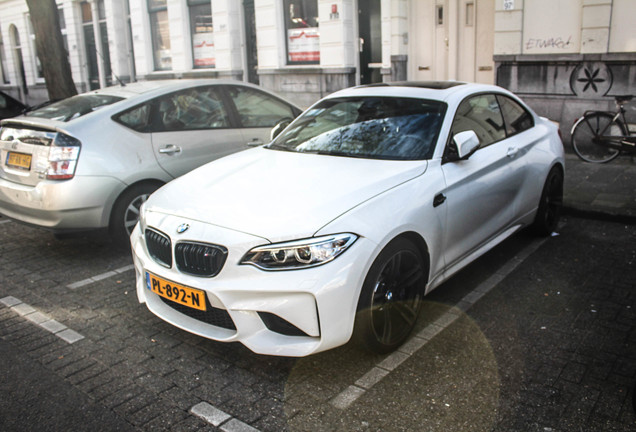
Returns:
(340,154)
(273,146)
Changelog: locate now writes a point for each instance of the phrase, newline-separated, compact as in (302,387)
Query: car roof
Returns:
(160,86)
(435,90)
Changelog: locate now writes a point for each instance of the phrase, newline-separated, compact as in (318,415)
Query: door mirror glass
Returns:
(467,143)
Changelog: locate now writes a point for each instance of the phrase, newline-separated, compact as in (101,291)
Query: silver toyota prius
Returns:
(90,161)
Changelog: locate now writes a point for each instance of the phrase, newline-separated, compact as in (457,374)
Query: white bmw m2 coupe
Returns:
(337,228)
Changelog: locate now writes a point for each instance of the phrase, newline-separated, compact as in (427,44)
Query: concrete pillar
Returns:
(595,26)
(508,27)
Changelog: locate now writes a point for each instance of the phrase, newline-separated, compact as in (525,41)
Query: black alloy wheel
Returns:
(391,297)
(550,204)
(126,211)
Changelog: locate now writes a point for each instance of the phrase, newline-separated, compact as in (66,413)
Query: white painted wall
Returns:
(622,36)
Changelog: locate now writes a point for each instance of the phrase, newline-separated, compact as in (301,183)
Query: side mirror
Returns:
(276,130)
(467,143)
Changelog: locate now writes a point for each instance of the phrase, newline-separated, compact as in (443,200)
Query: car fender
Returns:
(407,208)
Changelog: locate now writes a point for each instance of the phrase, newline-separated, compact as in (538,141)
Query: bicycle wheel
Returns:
(589,127)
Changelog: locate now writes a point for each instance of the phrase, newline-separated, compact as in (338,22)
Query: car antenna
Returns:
(121,83)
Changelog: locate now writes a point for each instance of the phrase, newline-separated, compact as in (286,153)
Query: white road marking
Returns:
(5,221)
(99,277)
(42,320)
(393,360)
(217,418)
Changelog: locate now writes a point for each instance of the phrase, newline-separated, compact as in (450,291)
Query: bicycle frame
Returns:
(619,142)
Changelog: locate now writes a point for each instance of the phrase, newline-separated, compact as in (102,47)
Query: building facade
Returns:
(567,56)
(545,50)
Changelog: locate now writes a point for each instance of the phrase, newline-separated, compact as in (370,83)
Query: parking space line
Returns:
(42,320)
(100,277)
(5,221)
(349,395)
(218,418)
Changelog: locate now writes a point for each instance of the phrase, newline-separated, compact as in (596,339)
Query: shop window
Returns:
(301,27)
(202,30)
(158,11)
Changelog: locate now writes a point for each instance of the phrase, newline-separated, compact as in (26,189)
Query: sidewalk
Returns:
(604,191)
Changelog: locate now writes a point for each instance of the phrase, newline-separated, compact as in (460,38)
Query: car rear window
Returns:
(74,107)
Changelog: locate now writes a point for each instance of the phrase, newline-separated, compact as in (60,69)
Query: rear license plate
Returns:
(186,296)
(19,160)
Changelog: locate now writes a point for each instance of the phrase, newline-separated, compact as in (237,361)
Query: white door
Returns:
(451,39)
(480,191)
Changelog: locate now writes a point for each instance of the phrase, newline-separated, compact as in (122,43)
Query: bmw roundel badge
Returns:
(182,228)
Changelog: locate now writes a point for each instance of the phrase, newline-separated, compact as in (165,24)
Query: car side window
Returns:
(480,114)
(191,109)
(516,117)
(258,109)
(135,118)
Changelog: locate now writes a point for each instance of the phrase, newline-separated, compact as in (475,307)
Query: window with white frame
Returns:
(62,21)
(159,28)
(39,72)
(302,31)
(3,62)
(202,31)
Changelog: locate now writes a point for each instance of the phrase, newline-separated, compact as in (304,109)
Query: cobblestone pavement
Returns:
(537,335)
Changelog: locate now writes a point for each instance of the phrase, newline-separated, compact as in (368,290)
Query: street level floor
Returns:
(537,335)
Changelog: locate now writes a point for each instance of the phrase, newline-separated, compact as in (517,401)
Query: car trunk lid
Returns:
(32,152)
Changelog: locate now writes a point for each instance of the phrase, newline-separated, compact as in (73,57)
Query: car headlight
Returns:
(299,254)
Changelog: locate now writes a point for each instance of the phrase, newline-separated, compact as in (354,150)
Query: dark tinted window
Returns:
(135,118)
(517,119)
(9,107)
(258,109)
(74,107)
(480,114)
(191,109)
(368,127)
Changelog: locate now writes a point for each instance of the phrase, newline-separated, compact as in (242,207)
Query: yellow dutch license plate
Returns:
(19,160)
(186,296)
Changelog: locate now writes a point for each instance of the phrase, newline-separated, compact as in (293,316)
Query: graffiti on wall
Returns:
(548,44)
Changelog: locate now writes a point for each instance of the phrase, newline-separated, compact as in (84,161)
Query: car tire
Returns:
(390,298)
(550,204)
(125,213)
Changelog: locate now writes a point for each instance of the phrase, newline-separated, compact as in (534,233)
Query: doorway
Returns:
(370,41)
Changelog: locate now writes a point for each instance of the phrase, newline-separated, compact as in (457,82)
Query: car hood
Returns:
(279,195)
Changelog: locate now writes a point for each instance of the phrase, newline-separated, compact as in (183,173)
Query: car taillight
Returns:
(63,156)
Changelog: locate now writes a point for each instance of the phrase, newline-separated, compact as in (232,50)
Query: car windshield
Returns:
(366,127)
(74,107)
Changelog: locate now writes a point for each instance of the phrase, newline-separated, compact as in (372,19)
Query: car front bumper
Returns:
(318,302)
(76,204)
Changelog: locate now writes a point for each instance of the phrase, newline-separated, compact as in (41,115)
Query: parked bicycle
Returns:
(600,136)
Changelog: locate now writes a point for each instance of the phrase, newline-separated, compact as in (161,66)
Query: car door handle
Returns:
(512,152)
(170,149)
(439,200)
(255,142)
